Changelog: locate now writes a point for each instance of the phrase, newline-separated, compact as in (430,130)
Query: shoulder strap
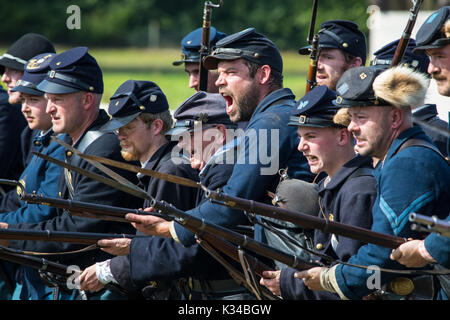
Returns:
(85,142)
(421,143)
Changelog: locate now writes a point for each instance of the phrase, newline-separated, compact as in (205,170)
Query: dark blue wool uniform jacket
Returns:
(348,198)
(415,179)
(12,122)
(88,190)
(162,259)
(269,145)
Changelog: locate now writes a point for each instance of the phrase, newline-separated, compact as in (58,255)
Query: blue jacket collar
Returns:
(271,98)
(346,170)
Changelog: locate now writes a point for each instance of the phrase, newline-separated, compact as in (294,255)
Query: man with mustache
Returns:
(412,176)
(433,38)
(15,136)
(141,118)
(346,195)
(201,118)
(419,61)
(342,46)
(190,48)
(250,80)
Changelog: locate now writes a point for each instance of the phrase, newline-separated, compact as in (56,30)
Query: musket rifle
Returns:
(404,40)
(48,269)
(313,40)
(429,224)
(205,48)
(304,220)
(251,206)
(190,222)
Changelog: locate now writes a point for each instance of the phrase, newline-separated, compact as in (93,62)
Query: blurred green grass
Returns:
(121,64)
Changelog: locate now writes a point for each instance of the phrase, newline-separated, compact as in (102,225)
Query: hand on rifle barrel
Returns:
(412,254)
(311,278)
(271,280)
(149,224)
(4,243)
(117,247)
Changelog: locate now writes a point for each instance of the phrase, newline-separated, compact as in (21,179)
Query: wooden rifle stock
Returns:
(312,70)
(42,264)
(205,48)
(313,40)
(404,40)
(306,221)
(34,262)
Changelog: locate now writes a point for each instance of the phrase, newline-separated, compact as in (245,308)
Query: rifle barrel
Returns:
(59,236)
(198,225)
(404,40)
(306,221)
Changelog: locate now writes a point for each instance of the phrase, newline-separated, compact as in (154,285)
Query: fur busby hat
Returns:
(401,87)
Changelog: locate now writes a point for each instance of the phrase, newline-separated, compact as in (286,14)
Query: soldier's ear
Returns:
(221,133)
(157,126)
(344,136)
(263,74)
(356,62)
(87,100)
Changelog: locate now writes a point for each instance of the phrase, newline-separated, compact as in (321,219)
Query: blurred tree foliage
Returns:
(126,22)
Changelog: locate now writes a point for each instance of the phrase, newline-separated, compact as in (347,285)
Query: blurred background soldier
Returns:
(190,56)
(342,46)
(39,175)
(14,149)
(74,87)
(418,61)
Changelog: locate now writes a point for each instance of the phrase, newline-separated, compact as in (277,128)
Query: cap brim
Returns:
(423,48)
(116,123)
(55,88)
(12,64)
(27,90)
(179,62)
(211,62)
(306,50)
(177,131)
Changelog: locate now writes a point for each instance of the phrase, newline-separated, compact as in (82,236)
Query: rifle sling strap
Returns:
(86,140)
(421,143)
(235,274)
(88,248)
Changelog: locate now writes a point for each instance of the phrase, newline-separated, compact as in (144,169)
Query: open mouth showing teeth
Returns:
(311,158)
(229,102)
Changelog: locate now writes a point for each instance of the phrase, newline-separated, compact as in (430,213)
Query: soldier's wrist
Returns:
(103,272)
(173,232)
(424,252)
